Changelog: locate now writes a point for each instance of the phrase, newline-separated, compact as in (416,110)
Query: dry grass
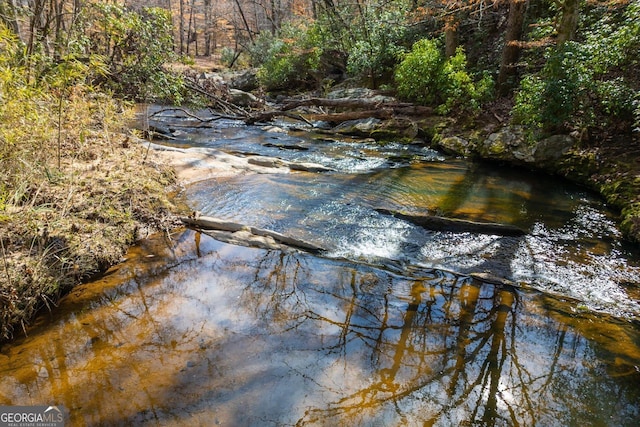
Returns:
(72,198)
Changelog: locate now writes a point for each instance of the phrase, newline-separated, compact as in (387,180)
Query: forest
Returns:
(557,66)
(71,70)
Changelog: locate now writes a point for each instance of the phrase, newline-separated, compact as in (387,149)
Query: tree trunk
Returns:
(511,51)
(450,36)
(192,35)
(438,223)
(245,233)
(244,21)
(569,20)
(208,27)
(181,26)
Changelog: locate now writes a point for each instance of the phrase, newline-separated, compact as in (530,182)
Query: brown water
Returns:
(199,332)
(387,329)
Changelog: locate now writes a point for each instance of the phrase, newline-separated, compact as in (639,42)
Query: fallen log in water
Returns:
(243,234)
(372,108)
(439,223)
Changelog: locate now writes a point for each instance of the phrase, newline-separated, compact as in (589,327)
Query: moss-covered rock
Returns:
(456,145)
(630,225)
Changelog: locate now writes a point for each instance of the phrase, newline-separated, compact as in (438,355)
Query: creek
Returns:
(394,325)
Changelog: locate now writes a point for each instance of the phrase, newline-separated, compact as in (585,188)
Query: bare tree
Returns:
(209,34)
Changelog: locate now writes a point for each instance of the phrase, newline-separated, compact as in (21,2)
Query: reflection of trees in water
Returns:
(366,345)
(274,293)
(453,336)
(447,351)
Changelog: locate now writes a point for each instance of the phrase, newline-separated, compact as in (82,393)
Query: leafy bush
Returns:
(426,77)
(287,60)
(227,56)
(377,42)
(419,74)
(581,84)
(137,46)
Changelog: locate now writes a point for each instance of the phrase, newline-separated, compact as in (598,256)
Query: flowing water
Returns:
(394,325)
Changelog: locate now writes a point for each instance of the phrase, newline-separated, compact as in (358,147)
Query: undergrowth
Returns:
(75,191)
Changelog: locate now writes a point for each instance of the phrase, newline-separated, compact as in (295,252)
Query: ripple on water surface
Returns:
(575,251)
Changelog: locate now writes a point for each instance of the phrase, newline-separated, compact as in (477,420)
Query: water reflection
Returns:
(571,248)
(238,336)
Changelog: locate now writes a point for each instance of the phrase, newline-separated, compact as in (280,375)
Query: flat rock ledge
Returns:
(198,164)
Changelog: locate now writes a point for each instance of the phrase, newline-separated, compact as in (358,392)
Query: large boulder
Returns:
(456,145)
(395,128)
(360,127)
(246,82)
(243,99)
(509,144)
(552,149)
(359,93)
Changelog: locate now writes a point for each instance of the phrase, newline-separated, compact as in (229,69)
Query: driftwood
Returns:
(217,102)
(439,223)
(369,108)
(244,234)
(366,103)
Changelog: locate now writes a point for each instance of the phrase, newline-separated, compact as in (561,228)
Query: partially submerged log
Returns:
(273,162)
(237,233)
(438,223)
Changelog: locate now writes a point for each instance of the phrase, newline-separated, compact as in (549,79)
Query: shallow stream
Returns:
(389,327)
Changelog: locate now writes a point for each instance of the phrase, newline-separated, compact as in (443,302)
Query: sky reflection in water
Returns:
(244,336)
(198,332)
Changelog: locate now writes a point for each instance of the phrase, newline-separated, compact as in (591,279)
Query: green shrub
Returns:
(426,77)
(288,60)
(419,74)
(581,84)
(572,92)
(137,46)
(227,56)
(377,43)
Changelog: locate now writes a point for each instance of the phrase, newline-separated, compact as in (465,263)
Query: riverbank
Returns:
(610,166)
(72,222)
(112,189)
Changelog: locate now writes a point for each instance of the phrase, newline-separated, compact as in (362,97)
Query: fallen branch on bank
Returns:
(360,103)
(438,223)
(218,104)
